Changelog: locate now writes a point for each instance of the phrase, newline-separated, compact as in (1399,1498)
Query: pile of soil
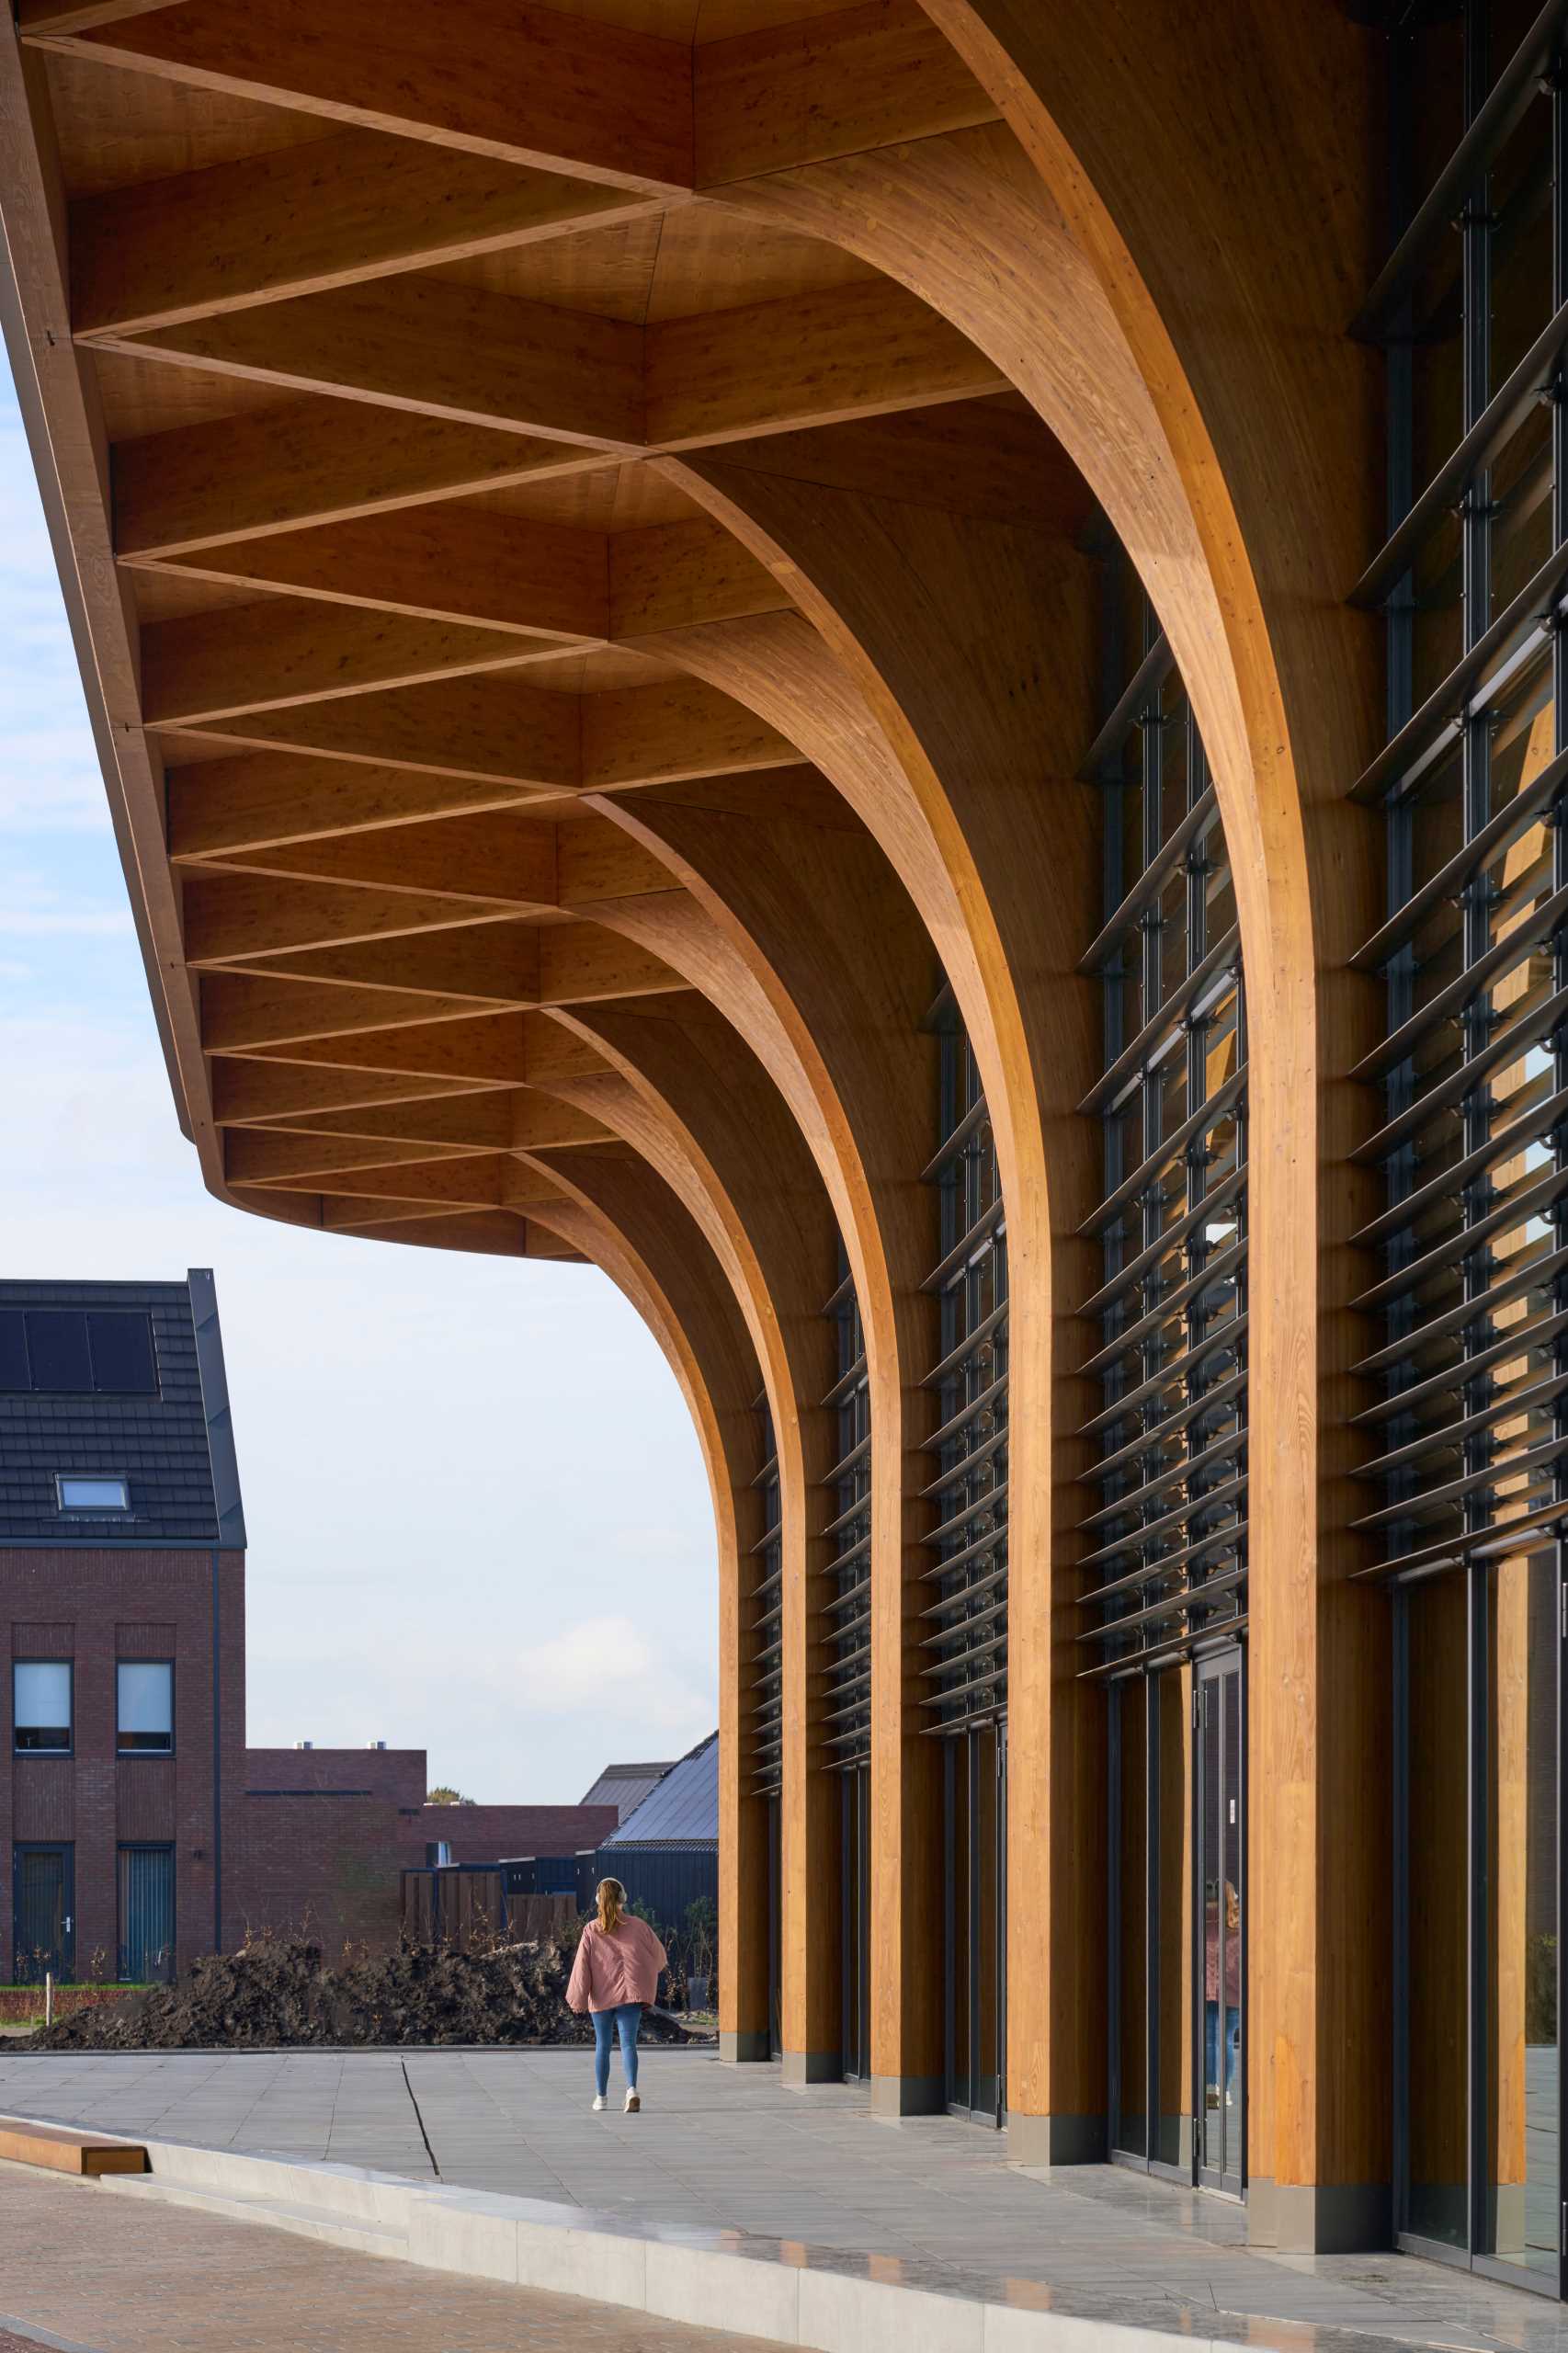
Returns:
(277,1992)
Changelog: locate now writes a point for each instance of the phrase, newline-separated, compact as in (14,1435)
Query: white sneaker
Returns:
(598,2103)
(633,2103)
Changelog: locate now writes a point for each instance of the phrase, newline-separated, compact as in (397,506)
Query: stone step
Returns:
(56,2147)
(234,2206)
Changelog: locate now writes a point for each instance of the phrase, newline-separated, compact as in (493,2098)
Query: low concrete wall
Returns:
(779,2291)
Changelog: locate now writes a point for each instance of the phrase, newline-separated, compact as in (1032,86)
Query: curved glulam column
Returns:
(688,1095)
(797,926)
(948,690)
(621,1216)
(1240,472)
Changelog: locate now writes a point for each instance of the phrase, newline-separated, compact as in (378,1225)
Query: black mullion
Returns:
(1560,1057)
(1475,527)
(1151,722)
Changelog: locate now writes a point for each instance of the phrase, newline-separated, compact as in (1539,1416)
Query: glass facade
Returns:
(1466,1423)
(965,1644)
(1164,1538)
(765,1674)
(848,1680)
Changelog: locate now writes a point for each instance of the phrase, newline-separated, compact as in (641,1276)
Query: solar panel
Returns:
(57,1352)
(14,1371)
(121,1351)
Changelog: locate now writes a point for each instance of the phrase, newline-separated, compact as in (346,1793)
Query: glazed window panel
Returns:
(1464,1408)
(1165,1529)
(767,1603)
(848,1730)
(963,1637)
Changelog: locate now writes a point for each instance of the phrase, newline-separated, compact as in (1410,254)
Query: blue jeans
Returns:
(626,2019)
(1212,2047)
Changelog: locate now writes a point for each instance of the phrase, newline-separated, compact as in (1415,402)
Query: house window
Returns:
(40,1690)
(146,1707)
(94,1495)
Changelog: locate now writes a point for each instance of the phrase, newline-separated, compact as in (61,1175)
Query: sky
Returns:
(477,1515)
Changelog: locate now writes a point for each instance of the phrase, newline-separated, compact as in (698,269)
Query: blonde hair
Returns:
(611,1898)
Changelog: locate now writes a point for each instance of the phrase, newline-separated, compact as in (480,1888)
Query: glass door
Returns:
(1220,1963)
(975,1820)
(775,1934)
(856,1923)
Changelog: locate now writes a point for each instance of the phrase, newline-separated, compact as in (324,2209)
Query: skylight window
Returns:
(94,1495)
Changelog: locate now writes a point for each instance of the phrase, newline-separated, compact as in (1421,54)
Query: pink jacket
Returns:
(610,1969)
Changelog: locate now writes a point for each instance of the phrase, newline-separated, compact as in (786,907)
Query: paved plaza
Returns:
(90,2274)
(719,2152)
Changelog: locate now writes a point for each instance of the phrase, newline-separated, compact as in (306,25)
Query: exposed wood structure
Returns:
(587,528)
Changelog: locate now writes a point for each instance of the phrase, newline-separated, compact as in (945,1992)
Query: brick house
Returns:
(136,1828)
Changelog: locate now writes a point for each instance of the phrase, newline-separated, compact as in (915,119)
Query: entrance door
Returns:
(856,1923)
(775,1933)
(1219,1970)
(146,1890)
(43,1901)
(975,1820)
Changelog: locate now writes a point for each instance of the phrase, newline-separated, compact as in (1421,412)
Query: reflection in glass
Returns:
(1522,2102)
(1220,1832)
(1129,2122)
(1435,1862)
(1172,1735)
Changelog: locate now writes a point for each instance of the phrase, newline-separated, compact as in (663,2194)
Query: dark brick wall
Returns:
(483,1833)
(96,1608)
(326,1866)
(312,1838)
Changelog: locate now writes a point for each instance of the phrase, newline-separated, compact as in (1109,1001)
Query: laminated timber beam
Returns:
(802,935)
(287,1159)
(310,462)
(503,731)
(351,205)
(693,1102)
(654,1253)
(462,563)
(273,469)
(565,965)
(464,356)
(524,86)
(600,103)
(932,713)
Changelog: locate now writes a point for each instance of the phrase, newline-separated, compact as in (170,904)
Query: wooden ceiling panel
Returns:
(597,673)
(622,497)
(142,397)
(168,597)
(608,272)
(118,130)
(710,259)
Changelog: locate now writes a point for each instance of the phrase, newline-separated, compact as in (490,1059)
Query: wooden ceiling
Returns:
(392,326)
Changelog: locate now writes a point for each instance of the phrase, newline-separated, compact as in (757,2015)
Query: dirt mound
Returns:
(278,1990)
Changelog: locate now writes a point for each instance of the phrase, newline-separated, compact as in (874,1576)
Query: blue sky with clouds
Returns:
(477,1513)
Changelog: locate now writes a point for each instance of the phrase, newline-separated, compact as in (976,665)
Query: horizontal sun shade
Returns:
(75,1353)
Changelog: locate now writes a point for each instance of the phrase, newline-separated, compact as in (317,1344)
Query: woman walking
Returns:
(614,1977)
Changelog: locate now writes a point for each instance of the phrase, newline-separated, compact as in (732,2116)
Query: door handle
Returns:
(68,1923)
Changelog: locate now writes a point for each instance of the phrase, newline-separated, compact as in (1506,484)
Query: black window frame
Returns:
(120,1750)
(38,1659)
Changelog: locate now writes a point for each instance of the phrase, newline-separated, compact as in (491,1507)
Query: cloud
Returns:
(599,1663)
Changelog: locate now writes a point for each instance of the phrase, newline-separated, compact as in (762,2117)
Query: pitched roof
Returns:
(683,1811)
(113,1409)
(625,1787)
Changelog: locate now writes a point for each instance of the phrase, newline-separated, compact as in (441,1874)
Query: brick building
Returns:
(136,1828)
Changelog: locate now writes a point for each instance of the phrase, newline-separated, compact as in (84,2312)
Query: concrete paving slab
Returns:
(728,2165)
